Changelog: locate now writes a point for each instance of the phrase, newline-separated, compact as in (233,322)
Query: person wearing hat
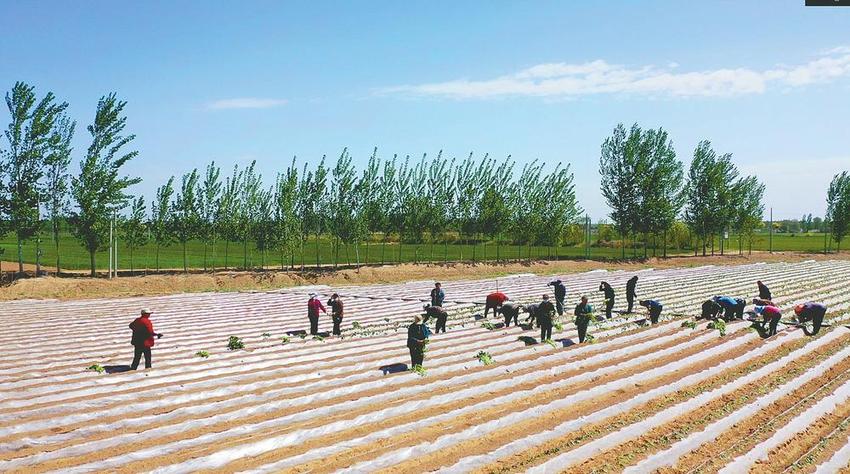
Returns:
(313,307)
(583,314)
(609,297)
(631,293)
(771,315)
(437,295)
(336,313)
(813,312)
(654,308)
(439,314)
(417,337)
(545,311)
(142,339)
(560,295)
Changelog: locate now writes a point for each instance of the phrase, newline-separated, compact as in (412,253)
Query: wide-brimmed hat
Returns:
(146,311)
(417,319)
(312,295)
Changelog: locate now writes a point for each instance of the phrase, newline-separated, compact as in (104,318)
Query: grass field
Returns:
(233,255)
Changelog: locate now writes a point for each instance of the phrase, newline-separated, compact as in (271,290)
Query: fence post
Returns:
(109,269)
(770,235)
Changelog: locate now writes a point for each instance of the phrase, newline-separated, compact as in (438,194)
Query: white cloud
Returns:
(245,103)
(567,80)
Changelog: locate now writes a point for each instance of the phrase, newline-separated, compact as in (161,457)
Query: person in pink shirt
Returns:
(313,307)
(771,315)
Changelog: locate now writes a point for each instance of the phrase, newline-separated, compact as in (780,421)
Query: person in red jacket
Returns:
(313,307)
(142,339)
(494,301)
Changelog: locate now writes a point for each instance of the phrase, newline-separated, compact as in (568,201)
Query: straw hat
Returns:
(417,319)
(146,310)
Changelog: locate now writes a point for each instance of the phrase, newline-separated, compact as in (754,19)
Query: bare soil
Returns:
(82,287)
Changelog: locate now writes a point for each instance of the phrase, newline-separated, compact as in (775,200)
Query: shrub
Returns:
(202,354)
(484,357)
(97,368)
(234,343)
(689,324)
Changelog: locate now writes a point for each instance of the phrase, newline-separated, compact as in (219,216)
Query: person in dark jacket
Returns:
(531,310)
(545,311)
(710,309)
(560,295)
(762,302)
(733,307)
(654,308)
(511,312)
(438,313)
(142,339)
(336,313)
(813,312)
(494,301)
(417,337)
(631,292)
(583,314)
(764,291)
(437,295)
(313,308)
(609,298)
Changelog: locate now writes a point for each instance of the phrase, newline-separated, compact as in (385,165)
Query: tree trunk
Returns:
(185,266)
(91,262)
(56,243)
(383,249)
(226,252)
(157,258)
(20,256)
(245,253)
(205,255)
(317,251)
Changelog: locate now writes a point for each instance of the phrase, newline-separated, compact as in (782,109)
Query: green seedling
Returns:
(418,369)
(484,357)
(356,325)
(318,338)
(235,343)
(97,368)
(559,327)
(689,324)
(551,343)
(284,340)
(488,325)
(720,325)
(202,354)
(266,334)
(590,339)
(303,335)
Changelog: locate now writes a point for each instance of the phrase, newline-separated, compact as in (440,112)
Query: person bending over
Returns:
(494,301)
(654,308)
(609,297)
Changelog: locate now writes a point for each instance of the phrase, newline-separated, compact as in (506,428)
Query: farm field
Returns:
(665,398)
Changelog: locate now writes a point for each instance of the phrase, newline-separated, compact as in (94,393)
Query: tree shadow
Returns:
(394,368)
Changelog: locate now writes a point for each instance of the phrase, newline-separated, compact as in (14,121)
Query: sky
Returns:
(768,81)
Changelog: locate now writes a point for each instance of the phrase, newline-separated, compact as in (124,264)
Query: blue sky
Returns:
(768,81)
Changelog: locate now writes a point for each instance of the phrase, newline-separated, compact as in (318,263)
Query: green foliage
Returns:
(689,324)
(838,207)
(202,354)
(318,338)
(589,339)
(356,325)
(97,368)
(419,370)
(266,334)
(99,190)
(484,357)
(488,325)
(134,228)
(284,340)
(718,324)
(552,343)
(235,343)
(186,220)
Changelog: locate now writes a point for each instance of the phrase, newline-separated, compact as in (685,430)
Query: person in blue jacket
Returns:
(654,308)
(417,337)
(732,307)
(710,309)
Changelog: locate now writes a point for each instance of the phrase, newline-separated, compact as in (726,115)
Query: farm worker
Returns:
(609,297)
(437,295)
(511,312)
(764,291)
(545,311)
(710,309)
(560,295)
(582,313)
(631,285)
(494,301)
(531,310)
(336,312)
(813,312)
(733,307)
(654,308)
(436,312)
(313,307)
(771,314)
(417,336)
(142,339)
